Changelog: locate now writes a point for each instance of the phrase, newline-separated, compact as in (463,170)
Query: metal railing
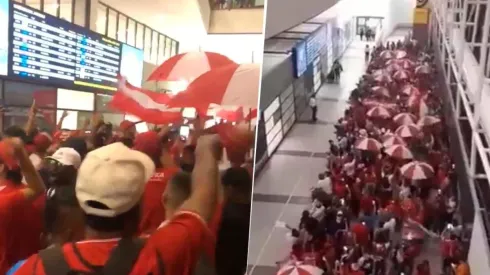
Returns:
(235,4)
(73,11)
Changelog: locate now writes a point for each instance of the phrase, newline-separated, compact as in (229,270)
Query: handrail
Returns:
(235,4)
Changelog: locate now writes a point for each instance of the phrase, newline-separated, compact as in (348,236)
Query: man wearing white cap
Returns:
(109,188)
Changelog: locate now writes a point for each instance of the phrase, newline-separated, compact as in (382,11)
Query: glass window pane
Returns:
(76,100)
(111,30)
(102,103)
(80,12)
(121,32)
(131,33)
(22,94)
(101,19)
(154,48)
(66,10)
(161,49)
(34,4)
(168,47)
(45,119)
(139,36)
(147,46)
(51,7)
(74,120)
(174,48)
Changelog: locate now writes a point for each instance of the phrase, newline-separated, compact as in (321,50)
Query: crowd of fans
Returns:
(389,188)
(97,201)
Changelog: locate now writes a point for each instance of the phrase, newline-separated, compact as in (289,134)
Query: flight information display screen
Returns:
(47,48)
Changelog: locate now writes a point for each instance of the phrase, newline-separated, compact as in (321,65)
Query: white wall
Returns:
(241,48)
(237,21)
(285,14)
(399,13)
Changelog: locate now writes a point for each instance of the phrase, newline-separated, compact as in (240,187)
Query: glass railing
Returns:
(235,4)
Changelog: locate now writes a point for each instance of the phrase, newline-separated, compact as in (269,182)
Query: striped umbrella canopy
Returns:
(405,118)
(401,75)
(399,54)
(408,130)
(379,112)
(392,139)
(394,67)
(417,170)
(383,78)
(368,144)
(300,269)
(409,90)
(406,63)
(399,152)
(423,69)
(428,121)
(387,54)
(382,91)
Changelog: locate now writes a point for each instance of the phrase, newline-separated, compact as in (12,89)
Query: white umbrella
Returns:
(300,269)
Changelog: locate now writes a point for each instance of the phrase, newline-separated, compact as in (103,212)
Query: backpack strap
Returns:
(53,261)
(123,257)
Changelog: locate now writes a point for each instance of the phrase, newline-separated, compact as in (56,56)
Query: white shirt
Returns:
(350,168)
(312,102)
(326,185)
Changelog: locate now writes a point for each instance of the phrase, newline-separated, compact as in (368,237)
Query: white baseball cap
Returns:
(67,156)
(113,176)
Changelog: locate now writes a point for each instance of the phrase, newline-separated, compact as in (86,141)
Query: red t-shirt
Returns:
(180,243)
(361,233)
(340,189)
(153,212)
(216,219)
(12,207)
(367,204)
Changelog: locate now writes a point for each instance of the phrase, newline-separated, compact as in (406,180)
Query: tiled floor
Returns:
(282,189)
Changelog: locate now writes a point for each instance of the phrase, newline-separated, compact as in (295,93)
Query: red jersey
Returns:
(361,233)
(153,212)
(367,204)
(340,189)
(180,243)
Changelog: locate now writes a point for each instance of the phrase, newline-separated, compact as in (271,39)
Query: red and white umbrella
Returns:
(406,63)
(392,139)
(382,91)
(379,112)
(387,54)
(406,131)
(415,100)
(399,152)
(392,62)
(379,72)
(189,66)
(368,144)
(401,75)
(300,269)
(428,121)
(409,90)
(423,69)
(405,118)
(393,67)
(382,78)
(233,85)
(417,170)
(400,54)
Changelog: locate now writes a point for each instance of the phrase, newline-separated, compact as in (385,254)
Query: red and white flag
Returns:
(148,105)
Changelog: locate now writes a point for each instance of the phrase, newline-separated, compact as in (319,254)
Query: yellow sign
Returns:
(421,16)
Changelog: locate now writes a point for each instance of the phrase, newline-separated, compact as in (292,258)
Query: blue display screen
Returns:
(315,43)
(300,59)
(47,48)
(132,64)
(4,33)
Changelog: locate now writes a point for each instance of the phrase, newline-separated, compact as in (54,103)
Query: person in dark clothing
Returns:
(233,233)
(361,33)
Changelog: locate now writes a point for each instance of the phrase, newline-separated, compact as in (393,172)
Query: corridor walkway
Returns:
(282,190)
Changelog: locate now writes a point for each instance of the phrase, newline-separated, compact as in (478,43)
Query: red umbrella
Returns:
(189,66)
(300,269)
(368,144)
(392,139)
(401,75)
(406,63)
(382,91)
(379,112)
(405,118)
(382,78)
(399,152)
(417,170)
(409,90)
(423,69)
(428,121)
(233,85)
(400,54)
(387,54)
(409,130)
(393,68)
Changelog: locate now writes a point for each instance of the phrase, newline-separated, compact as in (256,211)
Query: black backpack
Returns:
(120,262)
